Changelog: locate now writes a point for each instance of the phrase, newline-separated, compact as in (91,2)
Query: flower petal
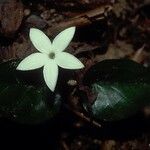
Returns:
(41,42)
(33,61)
(68,61)
(63,39)
(51,74)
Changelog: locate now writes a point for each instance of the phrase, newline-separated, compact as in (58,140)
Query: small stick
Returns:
(82,116)
(81,20)
(64,145)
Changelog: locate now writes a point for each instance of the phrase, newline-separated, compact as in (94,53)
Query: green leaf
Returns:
(23,97)
(121,89)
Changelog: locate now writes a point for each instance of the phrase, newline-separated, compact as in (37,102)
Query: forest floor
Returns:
(105,30)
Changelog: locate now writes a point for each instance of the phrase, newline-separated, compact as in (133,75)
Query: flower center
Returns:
(52,55)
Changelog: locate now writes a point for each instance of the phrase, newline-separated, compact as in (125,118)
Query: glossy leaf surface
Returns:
(22,98)
(121,89)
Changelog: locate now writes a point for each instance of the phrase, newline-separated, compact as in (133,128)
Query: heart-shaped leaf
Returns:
(121,88)
(23,97)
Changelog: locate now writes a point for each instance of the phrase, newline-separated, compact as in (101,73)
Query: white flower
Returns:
(50,55)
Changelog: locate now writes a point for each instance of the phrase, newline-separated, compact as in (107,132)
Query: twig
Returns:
(64,145)
(82,19)
(83,117)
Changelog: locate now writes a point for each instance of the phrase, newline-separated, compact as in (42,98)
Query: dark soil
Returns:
(122,32)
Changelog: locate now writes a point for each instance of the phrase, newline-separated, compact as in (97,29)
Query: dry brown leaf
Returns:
(11,15)
(118,50)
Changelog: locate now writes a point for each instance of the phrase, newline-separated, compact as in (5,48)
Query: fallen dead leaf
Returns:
(11,15)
